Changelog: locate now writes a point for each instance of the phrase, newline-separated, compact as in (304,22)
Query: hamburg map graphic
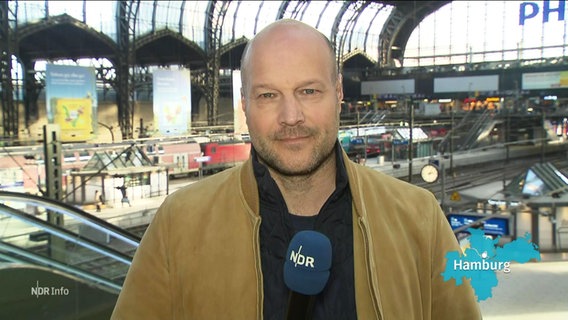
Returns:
(481,261)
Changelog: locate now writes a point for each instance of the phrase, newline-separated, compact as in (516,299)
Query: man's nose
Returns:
(291,112)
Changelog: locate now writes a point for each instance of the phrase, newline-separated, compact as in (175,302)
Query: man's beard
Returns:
(322,151)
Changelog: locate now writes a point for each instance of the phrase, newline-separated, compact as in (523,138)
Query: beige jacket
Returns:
(200,257)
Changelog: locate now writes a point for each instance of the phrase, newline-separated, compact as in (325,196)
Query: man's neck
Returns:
(305,195)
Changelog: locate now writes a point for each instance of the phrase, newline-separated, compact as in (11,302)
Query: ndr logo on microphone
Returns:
(49,291)
(300,259)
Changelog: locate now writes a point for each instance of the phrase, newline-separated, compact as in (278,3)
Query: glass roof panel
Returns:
(194,21)
(368,28)
(28,11)
(72,8)
(168,15)
(227,32)
(144,18)
(533,186)
(96,13)
(248,18)
(98,17)
(317,9)
(268,14)
(483,31)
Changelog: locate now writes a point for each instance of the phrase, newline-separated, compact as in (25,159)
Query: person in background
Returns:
(98,200)
(216,248)
(124,199)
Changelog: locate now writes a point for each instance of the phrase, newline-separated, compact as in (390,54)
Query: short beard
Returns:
(270,158)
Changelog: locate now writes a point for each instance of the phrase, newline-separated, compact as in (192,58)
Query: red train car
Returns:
(179,157)
(224,154)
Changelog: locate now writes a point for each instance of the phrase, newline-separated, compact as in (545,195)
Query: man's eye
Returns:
(309,91)
(266,95)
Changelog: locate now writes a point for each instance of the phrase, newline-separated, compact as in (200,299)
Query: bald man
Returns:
(216,249)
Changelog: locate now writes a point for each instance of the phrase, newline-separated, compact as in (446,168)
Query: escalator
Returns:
(58,262)
(473,131)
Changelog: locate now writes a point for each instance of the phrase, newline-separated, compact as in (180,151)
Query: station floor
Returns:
(534,290)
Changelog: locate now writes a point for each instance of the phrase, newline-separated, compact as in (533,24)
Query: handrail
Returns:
(56,265)
(73,212)
(66,234)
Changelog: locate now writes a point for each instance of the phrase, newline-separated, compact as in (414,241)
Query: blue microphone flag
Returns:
(308,261)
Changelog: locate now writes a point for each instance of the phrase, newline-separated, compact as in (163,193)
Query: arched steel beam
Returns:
(370,26)
(358,54)
(233,31)
(10,119)
(231,53)
(299,9)
(215,17)
(399,26)
(182,45)
(335,30)
(352,22)
(322,13)
(233,44)
(62,37)
(282,10)
(127,14)
(181,15)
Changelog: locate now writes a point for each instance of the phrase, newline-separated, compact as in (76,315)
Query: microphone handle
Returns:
(300,306)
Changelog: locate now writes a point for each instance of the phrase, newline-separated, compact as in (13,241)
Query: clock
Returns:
(429,173)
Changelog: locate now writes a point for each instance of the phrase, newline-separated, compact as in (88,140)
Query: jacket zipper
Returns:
(259,302)
(374,291)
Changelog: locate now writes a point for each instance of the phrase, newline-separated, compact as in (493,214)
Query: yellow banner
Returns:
(74,118)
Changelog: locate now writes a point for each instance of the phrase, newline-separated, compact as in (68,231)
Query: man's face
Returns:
(292,102)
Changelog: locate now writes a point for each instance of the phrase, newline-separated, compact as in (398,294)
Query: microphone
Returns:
(306,271)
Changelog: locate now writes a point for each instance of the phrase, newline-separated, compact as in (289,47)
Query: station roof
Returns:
(132,160)
(176,32)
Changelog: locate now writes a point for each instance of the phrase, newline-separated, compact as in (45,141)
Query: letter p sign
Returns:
(527,10)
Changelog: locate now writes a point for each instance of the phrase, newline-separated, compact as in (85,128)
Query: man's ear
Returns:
(243,101)
(339,91)
(339,87)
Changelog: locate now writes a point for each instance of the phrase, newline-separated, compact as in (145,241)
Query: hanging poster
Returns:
(71,101)
(172,102)
(239,115)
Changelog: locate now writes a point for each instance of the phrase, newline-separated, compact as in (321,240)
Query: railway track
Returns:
(463,178)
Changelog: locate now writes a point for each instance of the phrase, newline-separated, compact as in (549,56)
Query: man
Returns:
(98,200)
(124,198)
(215,249)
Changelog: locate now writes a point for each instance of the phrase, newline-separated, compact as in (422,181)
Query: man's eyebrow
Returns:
(306,83)
(261,86)
(311,82)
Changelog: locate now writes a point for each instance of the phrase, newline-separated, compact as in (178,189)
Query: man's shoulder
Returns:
(209,186)
(379,182)
(374,176)
(208,198)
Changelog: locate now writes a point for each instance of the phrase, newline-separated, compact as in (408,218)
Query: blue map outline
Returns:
(482,248)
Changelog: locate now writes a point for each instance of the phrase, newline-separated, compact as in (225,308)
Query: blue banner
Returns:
(492,226)
(172,102)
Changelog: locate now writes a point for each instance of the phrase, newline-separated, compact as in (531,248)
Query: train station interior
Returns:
(128,101)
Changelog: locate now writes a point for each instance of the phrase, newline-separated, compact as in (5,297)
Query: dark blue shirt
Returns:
(337,300)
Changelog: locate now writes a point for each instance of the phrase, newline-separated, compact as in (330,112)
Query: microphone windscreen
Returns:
(307,262)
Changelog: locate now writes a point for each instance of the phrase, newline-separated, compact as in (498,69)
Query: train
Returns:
(22,169)
(187,158)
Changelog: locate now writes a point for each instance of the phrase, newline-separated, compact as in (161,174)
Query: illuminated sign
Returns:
(493,226)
